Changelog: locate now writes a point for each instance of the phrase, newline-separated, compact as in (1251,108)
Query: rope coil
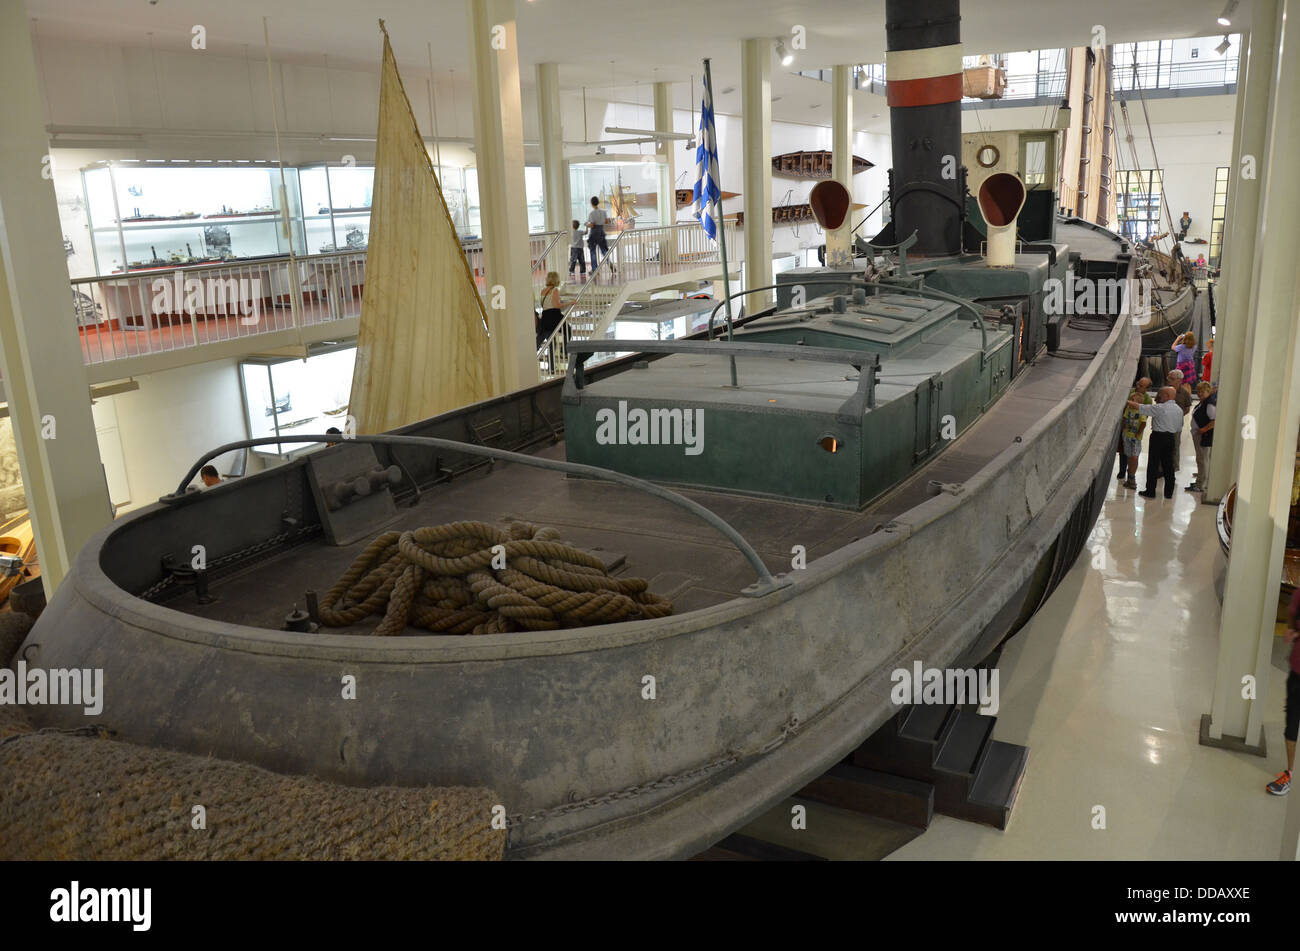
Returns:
(442,578)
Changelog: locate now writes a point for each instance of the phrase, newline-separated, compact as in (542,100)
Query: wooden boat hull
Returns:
(16,538)
(811,164)
(1290,580)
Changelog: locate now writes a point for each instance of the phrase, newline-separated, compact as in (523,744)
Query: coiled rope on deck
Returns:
(454,579)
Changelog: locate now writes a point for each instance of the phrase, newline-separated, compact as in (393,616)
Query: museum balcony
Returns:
(160,318)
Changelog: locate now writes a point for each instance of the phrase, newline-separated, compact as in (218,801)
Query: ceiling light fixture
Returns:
(1225,18)
(652,133)
(1223,47)
(783,54)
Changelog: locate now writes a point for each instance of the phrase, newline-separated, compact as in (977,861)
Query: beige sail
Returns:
(422,347)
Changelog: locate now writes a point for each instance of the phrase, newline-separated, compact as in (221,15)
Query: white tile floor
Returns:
(1106,686)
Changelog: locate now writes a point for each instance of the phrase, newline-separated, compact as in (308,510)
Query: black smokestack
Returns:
(924,83)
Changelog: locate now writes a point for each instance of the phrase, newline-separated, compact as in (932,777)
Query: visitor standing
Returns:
(596,233)
(1131,428)
(1207,360)
(576,258)
(551,312)
(1185,355)
(1183,397)
(1202,433)
(1166,420)
(1282,785)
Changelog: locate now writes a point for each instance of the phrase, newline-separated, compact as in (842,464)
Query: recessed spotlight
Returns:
(784,55)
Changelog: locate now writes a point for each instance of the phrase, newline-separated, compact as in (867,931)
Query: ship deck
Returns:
(683,558)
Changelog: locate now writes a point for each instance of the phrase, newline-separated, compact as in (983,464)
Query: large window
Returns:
(1219,215)
(1139,199)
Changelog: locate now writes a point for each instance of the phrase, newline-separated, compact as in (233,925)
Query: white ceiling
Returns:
(610,43)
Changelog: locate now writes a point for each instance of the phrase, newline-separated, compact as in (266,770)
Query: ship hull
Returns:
(753,696)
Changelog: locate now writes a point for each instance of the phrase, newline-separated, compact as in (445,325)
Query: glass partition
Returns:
(284,397)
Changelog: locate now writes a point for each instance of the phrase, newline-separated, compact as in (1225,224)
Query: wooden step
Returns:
(743,848)
(874,793)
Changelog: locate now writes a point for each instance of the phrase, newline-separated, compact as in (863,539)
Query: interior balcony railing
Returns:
(1159,74)
(162,310)
(639,259)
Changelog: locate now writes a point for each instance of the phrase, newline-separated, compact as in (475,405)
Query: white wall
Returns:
(165,426)
(868,186)
(1192,135)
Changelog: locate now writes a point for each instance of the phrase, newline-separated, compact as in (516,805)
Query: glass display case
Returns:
(283,397)
(160,214)
(157,214)
(628,187)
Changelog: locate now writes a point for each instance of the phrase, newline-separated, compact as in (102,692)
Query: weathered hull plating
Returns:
(753,697)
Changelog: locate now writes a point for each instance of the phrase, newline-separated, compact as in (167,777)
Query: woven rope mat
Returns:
(74,797)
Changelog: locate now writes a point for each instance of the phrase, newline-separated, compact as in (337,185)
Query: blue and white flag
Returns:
(708,196)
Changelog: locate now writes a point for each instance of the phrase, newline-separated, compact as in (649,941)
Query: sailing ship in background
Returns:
(1087,187)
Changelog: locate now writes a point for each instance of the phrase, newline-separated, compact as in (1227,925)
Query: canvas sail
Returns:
(422,347)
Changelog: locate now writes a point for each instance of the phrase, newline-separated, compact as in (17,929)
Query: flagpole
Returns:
(722,231)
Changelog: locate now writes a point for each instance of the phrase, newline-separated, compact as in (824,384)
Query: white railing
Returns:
(141,313)
(148,312)
(634,255)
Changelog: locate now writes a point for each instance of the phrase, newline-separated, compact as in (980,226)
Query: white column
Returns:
(1272,398)
(558,211)
(499,150)
(667,150)
(44,377)
(1238,260)
(838,251)
(756,122)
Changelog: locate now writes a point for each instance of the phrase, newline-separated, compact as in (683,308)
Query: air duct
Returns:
(1000,199)
(830,202)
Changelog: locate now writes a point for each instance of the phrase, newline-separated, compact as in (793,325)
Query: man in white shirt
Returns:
(596,232)
(1166,421)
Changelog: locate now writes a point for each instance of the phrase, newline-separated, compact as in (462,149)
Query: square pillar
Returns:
(499,150)
(44,373)
(756,122)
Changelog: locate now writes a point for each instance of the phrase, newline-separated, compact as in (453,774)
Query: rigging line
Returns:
(433,113)
(295,301)
(1169,215)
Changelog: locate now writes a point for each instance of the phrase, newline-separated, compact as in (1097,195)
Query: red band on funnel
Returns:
(930,91)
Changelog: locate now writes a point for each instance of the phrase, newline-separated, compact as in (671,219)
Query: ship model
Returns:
(259,211)
(886,468)
(814,164)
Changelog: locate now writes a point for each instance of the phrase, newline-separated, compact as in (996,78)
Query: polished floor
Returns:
(1106,686)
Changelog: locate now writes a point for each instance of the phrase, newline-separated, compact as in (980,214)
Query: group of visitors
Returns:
(1167,411)
(594,233)
(552,312)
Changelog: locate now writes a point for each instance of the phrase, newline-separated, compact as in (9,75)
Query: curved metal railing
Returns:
(767,582)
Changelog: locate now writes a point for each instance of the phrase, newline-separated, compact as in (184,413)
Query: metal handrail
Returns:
(850,280)
(214,266)
(547,250)
(559,328)
(766,583)
(866,362)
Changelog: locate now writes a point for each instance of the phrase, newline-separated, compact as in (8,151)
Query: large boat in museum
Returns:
(896,464)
